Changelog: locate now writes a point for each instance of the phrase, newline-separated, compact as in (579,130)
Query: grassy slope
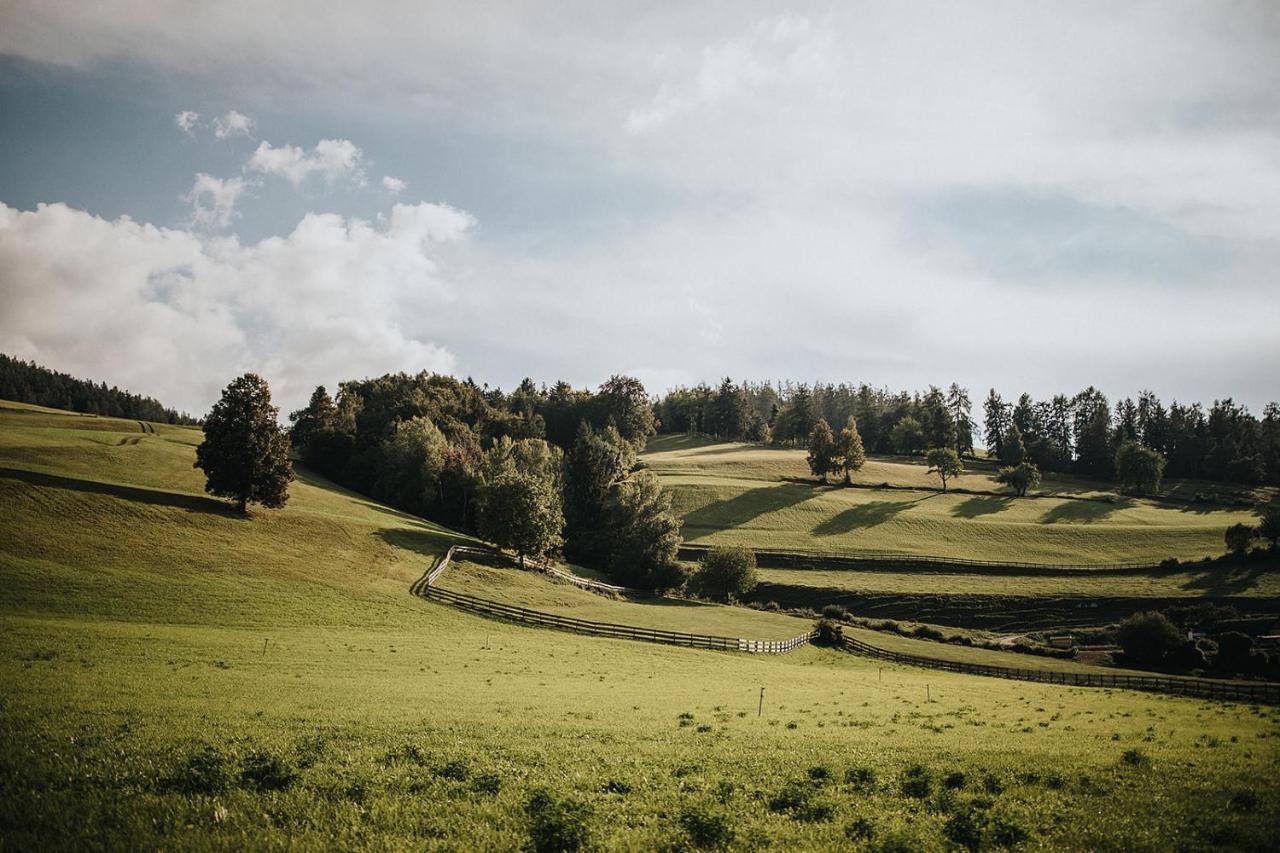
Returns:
(764,497)
(536,592)
(131,637)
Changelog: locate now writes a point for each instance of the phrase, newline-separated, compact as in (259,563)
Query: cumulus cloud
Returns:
(166,313)
(232,124)
(213,200)
(395,186)
(187,120)
(331,159)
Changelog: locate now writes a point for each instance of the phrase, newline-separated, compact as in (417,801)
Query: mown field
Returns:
(741,494)
(176,676)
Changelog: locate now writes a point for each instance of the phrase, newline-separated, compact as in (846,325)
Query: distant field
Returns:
(173,676)
(764,497)
(538,592)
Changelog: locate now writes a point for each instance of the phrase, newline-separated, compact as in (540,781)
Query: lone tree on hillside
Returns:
(245,453)
(945,462)
(522,512)
(1020,478)
(849,450)
(822,450)
(728,571)
(1138,468)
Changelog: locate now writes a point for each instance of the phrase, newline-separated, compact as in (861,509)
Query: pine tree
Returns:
(996,422)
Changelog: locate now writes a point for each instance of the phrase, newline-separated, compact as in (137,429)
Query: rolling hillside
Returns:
(176,676)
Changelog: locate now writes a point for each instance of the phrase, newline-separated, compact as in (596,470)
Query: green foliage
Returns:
(823,453)
(728,572)
(917,781)
(707,830)
(1020,478)
(623,403)
(1138,468)
(556,825)
(27,382)
(1147,638)
(907,436)
(945,462)
(1269,526)
(1012,449)
(522,512)
(644,535)
(245,454)
(1239,537)
(848,452)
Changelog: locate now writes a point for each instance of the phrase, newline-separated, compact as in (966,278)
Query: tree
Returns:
(1020,478)
(907,436)
(1147,637)
(1239,537)
(245,453)
(1138,468)
(624,402)
(822,451)
(945,462)
(849,453)
(996,423)
(1269,527)
(728,571)
(644,535)
(1014,451)
(523,513)
(959,406)
(594,466)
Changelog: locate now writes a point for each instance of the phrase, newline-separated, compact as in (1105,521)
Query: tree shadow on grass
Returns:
(863,515)
(310,477)
(154,497)
(424,542)
(739,510)
(1083,512)
(1228,579)
(985,505)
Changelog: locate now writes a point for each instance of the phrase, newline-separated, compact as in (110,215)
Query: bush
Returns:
(860,777)
(860,829)
(925,632)
(1239,537)
(964,829)
(1234,652)
(793,796)
(729,572)
(707,830)
(1147,637)
(556,825)
(487,783)
(1133,758)
(670,577)
(772,606)
(834,612)
(456,770)
(266,772)
(829,633)
(953,781)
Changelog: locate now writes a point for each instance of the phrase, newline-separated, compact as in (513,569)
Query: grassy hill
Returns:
(761,497)
(174,676)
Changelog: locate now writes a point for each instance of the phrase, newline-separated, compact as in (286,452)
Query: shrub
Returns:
(925,632)
(917,782)
(1006,833)
(1147,637)
(487,783)
(793,796)
(860,829)
(829,633)
(834,611)
(1238,538)
(965,829)
(456,770)
(204,772)
(819,774)
(860,777)
(707,830)
(772,606)
(953,781)
(729,572)
(556,825)
(1133,758)
(992,784)
(264,771)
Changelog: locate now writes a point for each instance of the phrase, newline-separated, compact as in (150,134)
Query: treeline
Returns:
(537,470)
(27,382)
(1083,434)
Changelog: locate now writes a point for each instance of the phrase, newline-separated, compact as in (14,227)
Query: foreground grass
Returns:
(737,494)
(173,676)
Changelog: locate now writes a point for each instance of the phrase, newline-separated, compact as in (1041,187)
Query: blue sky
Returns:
(1033,197)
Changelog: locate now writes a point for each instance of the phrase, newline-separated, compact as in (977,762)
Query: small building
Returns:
(1064,641)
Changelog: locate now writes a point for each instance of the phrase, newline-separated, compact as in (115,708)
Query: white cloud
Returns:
(331,159)
(213,200)
(232,124)
(165,313)
(395,186)
(187,120)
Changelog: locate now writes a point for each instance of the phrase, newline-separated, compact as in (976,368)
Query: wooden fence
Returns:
(425,587)
(1238,691)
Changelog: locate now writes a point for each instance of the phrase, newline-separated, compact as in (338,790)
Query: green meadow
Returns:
(177,676)
(761,497)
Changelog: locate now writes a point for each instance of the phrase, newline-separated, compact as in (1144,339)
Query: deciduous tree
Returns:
(728,572)
(1020,478)
(822,451)
(945,462)
(849,452)
(245,453)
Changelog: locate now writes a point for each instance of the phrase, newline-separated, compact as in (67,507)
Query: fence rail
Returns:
(426,588)
(895,560)
(1198,687)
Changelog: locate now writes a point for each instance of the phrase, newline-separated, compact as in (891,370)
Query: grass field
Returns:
(175,676)
(760,497)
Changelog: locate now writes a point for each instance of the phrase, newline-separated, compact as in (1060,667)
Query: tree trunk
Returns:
(244,505)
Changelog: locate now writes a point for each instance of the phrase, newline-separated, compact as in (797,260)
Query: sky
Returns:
(1034,197)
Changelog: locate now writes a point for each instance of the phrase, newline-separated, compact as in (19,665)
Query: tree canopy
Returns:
(728,572)
(245,453)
